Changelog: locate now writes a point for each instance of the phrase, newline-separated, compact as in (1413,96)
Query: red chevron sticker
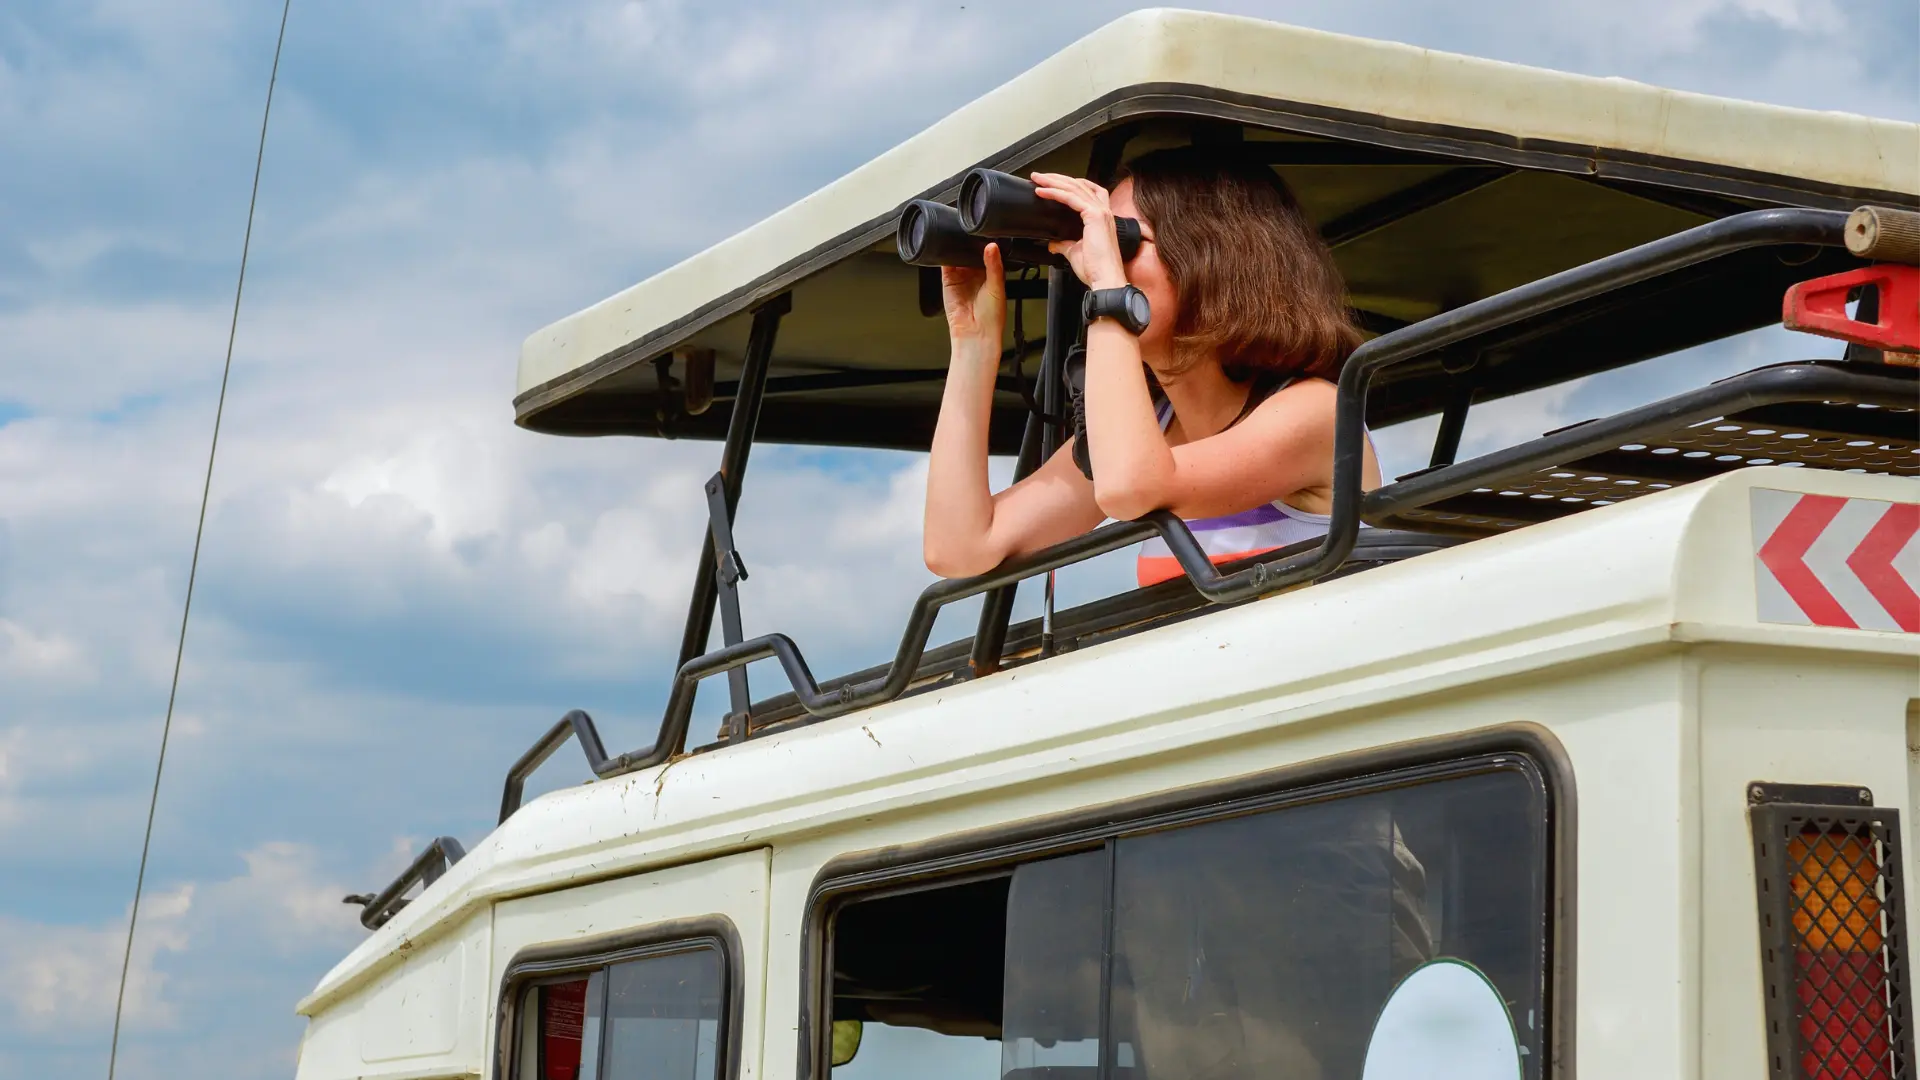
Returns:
(1821,560)
(1785,553)
(1872,563)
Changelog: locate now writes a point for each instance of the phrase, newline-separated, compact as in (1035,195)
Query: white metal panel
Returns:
(424,1016)
(1787,716)
(733,887)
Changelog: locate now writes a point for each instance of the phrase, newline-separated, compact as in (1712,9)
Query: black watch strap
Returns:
(1126,305)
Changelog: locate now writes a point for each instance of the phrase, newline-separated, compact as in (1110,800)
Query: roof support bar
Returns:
(1401,205)
(733,463)
(1036,445)
(996,611)
(1453,422)
(1064,325)
(729,570)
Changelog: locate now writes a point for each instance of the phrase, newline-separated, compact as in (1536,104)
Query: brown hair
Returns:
(1254,280)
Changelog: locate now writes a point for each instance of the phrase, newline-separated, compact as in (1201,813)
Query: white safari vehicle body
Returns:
(1651,678)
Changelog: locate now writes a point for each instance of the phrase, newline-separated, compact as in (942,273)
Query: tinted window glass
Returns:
(663,1017)
(652,1018)
(1266,945)
(1055,932)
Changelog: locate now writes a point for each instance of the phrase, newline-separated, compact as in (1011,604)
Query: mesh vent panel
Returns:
(1833,948)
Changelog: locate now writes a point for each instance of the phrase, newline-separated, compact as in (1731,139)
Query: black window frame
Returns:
(537,965)
(1524,747)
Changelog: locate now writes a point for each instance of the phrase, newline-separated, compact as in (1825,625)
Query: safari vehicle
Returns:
(1588,756)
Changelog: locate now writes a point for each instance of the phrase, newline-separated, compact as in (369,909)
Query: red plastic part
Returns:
(1820,307)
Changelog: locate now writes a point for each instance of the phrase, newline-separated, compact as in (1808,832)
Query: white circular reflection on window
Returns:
(1445,1021)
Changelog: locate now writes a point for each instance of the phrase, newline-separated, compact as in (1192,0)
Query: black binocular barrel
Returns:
(993,203)
(1002,205)
(930,234)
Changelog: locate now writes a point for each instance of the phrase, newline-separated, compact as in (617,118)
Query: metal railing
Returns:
(427,867)
(1760,228)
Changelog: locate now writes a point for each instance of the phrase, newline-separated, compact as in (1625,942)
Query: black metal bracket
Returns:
(729,571)
(427,868)
(1764,793)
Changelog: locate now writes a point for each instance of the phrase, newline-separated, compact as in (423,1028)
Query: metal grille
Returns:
(1832,940)
(1841,435)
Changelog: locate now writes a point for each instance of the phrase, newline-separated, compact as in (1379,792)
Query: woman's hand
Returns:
(1095,257)
(976,302)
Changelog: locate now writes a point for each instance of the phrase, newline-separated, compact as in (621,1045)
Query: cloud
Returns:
(201,949)
(65,978)
(399,589)
(26,655)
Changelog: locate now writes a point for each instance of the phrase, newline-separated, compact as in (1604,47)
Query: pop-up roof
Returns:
(1439,180)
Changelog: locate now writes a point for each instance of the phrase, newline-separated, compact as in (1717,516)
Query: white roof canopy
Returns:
(1291,88)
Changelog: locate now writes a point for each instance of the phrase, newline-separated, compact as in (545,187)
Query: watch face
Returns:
(1139,312)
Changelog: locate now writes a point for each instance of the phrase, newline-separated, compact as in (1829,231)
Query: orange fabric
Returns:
(1154,569)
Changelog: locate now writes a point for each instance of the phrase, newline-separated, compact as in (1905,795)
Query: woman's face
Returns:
(1147,272)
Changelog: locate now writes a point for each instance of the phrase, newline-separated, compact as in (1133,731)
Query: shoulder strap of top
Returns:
(1264,387)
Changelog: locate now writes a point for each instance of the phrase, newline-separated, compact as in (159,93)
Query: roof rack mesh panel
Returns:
(1834,434)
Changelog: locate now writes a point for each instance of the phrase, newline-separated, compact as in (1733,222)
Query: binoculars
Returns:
(999,208)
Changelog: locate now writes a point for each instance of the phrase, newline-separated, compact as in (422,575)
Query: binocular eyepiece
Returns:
(1000,208)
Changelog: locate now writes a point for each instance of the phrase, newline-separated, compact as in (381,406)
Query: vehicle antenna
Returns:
(193,564)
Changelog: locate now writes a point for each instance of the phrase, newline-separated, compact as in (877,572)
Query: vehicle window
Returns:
(1239,948)
(663,1017)
(651,1018)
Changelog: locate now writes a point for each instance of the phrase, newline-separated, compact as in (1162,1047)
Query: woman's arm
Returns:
(1133,469)
(968,529)
(1283,450)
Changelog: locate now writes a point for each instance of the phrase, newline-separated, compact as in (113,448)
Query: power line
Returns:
(199,530)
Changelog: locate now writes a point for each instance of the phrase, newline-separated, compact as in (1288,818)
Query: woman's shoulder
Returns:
(1288,391)
(1303,401)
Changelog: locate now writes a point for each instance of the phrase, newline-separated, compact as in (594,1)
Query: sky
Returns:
(399,589)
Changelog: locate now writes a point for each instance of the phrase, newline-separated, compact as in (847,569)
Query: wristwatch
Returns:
(1126,305)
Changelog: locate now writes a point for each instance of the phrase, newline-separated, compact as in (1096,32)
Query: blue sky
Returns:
(399,589)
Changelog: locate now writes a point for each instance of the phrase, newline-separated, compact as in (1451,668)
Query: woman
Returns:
(1220,410)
